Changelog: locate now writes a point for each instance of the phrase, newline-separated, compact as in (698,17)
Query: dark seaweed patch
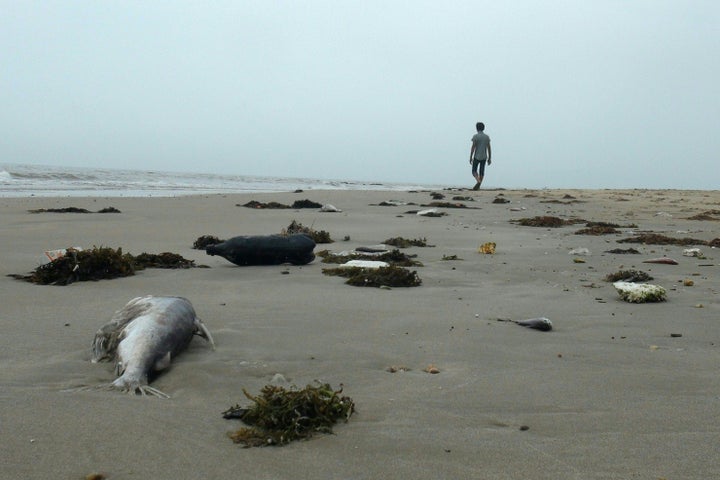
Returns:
(623,251)
(597,230)
(99,263)
(393,257)
(318,236)
(203,241)
(73,210)
(401,242)
(279,416)
(628,276)
(657,239)
(545,221)
(391,276)
(306,204)
(261,205)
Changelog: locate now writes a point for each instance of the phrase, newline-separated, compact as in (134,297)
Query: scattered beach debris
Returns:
(693,252)
(517,209)
(578,260)
(657,239)
(662,260)
(463,199)
(450,257)
(500,200)
(623,251)
(383,277)
(582,251)
(688,282)
(634,276)
(279,416)
(540,323)
(296,249)
(545,221)
(487,248)
(397,368)
(431,369)
(203,241)
(640,292)
(446,205)
(74,210)
(430,212)
(99,263)
(437,196)
(394,203)
(318,236)
(392,257)
(330,208)
(401,242)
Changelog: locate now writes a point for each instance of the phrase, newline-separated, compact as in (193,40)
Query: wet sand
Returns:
(615,391)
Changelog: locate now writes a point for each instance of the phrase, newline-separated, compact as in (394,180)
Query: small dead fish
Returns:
(541,323)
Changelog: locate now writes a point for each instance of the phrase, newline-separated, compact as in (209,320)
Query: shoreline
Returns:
(608,393)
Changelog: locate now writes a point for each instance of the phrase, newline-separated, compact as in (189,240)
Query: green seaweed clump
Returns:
(306,204)
(100,263)
(383,277)
(634,276)
(318,236)
(279,416)
(401,242)
(162,260)
(203,241)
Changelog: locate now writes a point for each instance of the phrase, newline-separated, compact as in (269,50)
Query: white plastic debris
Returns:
(428,212)
(364,264)
(579,251)
(692,252)
(329,208)
(59,253)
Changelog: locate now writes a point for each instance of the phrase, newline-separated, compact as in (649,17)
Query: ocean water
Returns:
(20,180)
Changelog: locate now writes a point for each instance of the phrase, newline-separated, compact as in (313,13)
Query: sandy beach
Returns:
(616,390)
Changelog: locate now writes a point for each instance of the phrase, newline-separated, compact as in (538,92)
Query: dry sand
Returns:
(608,394)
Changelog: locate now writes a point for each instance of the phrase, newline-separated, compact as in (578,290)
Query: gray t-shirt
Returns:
(481,142)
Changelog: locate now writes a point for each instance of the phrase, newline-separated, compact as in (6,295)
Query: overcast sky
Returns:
(575,93)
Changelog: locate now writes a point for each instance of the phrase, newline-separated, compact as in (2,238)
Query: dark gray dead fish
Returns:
(143,337)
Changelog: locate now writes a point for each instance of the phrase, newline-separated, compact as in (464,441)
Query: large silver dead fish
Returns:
(143,337)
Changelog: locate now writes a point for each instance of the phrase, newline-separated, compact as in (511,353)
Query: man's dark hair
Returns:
(480,126)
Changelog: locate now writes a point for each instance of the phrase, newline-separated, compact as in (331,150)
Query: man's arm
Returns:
(472,151)
(489,154)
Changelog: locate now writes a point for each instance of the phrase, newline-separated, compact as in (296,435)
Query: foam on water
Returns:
(19,180)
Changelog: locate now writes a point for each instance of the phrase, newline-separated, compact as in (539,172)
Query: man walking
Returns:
(480,152)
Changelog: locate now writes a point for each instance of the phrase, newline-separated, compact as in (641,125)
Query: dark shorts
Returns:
(478,166)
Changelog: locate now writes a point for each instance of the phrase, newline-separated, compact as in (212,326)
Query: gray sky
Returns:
(575,93)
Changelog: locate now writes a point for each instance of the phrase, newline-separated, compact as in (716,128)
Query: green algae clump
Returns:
(279,416)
